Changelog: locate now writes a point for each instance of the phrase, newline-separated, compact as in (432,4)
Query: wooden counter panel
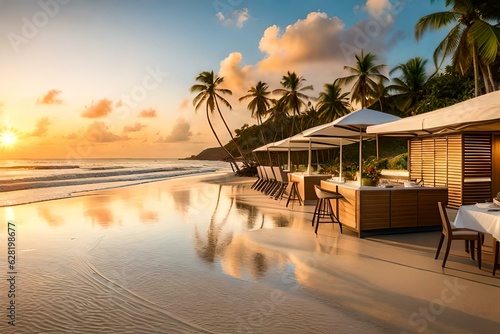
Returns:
(374,209)
(370,208)
(347,208)
(428,213)
(404,208)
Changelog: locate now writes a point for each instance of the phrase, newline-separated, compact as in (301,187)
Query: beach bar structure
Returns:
(454,157)
(369,210)
(457,147)
(305,181)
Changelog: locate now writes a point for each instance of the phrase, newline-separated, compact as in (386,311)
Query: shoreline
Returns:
(180,252)
(25,196)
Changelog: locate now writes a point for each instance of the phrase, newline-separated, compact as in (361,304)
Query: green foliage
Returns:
(446,89)
(398,162)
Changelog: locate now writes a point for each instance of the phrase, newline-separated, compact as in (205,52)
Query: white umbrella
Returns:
(351,126)
(478,114)
(301,143)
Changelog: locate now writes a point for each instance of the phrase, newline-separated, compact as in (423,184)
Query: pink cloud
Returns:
(134,128)
(42,127)
(100,109)
(50,97)
(148,113)
(99,132)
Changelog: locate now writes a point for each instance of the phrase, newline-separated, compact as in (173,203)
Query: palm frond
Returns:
(434,21)
(486,37)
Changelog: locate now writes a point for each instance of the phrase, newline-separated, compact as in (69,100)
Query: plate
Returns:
(486,205)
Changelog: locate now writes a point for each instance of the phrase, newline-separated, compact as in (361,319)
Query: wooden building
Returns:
(457,147)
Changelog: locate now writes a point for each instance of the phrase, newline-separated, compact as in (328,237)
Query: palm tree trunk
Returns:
(490,77)
(476,71)
(231,134)
(485,77)
(218,140)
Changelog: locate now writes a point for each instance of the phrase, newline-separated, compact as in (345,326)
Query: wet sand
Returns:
(207,254)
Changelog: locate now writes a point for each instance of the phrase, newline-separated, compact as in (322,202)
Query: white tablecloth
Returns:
(479,218)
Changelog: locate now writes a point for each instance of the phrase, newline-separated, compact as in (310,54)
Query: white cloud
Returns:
(234,18)
(180,132)
(235,75)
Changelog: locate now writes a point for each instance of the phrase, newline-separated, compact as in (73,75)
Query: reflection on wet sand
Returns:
(50,217)
(98,210)
(244,258)
(210,248)
(182,199)
(147,217)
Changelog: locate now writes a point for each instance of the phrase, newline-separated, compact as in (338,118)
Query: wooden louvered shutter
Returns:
(476,168)
(454,143)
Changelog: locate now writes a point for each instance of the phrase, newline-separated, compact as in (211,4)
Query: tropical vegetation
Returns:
(410,87)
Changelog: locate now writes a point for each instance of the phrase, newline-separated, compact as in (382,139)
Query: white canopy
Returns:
(301,143)
(351,125)
(478,114)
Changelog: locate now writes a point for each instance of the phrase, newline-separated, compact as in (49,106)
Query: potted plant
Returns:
(370,176)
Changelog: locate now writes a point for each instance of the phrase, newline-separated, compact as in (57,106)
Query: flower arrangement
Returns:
(369,176)
(371,173)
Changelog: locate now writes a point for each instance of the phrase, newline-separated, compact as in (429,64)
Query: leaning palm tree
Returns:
(365,75)
(260,103)
(292,95)
(472,40)
(209,93)
(332,103)
(409,86)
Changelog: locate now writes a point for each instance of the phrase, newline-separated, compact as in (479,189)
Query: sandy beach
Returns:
(207,254)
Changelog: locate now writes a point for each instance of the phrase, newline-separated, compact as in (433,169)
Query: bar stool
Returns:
(324,207)
(294,193)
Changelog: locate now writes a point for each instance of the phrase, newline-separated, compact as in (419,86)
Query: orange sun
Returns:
(8,138)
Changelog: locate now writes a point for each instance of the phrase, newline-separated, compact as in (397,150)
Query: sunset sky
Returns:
(91,79)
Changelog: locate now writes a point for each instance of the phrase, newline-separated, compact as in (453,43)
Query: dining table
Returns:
(482,217)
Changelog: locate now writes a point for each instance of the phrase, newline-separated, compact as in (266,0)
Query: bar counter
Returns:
(375,210)
(306,182)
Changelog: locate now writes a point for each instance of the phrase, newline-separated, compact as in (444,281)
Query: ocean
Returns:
(28,181)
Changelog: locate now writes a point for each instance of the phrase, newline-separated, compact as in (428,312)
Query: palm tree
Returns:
(380,97)
(365,75)
(292,95)
(278,114)
(332,103)
(311,117)
(260,103)
(472,41)
(209,93)
(409,87)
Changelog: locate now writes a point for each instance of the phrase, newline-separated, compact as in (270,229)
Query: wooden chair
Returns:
(452,233)
(496,250)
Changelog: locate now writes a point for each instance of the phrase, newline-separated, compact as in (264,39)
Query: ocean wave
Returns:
(92,175)
(71,180)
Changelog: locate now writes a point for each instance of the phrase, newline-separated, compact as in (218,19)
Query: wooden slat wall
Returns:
(476,165)
(415,159)
(454,170)
(495,168)
(428,161)
(448,161)
(440,162)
